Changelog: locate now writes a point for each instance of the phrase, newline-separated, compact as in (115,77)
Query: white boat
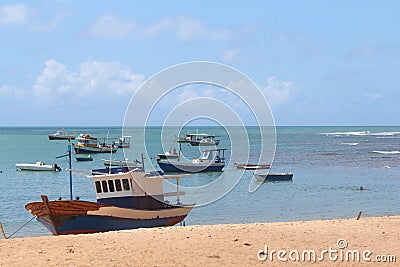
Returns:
(200,139)
(121,163)
(252,166)
(123,142)
(38,166)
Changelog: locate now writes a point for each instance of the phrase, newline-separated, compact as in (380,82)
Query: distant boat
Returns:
(210,161)
(171,154)
(124,201)
(120,163)
(88,158)
(252,166)
(123,142)
(89,144)
(38,166)
(200,139)
(62,135)
(272,177)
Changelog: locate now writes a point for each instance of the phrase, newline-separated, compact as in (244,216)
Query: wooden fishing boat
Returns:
(89,144)
(274,177)
(252,166)
(124,201)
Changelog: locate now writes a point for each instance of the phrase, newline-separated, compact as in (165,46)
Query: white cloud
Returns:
(230,55)
(369,51)
(184,28)
(277,92)
(372,97)
(9,92)
(22,15)
(95,82)
(15,14)
(111,27)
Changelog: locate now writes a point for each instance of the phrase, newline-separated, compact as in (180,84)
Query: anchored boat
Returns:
(120,163)
(211,160)
(199,139)
(252,166)
(89,144)
(124,201)
(274,177)
(62,135)
(38,166)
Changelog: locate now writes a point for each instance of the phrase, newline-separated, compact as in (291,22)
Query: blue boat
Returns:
(211,160)
(126,200)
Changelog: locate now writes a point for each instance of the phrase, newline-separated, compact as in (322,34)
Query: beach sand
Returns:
(215,245)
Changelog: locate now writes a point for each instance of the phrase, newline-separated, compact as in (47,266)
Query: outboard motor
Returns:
(56,167)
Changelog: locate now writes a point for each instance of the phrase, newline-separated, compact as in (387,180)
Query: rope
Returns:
(21,227)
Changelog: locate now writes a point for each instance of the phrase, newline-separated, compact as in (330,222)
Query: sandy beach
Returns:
(335,243)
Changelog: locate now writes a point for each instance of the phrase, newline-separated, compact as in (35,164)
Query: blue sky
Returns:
(67,63)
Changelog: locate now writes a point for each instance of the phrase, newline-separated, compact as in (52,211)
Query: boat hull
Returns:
(277,177)
(89,150)
(56,137)
(200,143)
(83,158)
(36,167)
(252,166)
(167,166)
(119,163)
(64,217)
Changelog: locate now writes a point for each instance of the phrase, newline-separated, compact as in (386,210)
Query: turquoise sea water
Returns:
(329,165)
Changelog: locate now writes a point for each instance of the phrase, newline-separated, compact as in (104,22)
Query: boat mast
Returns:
(69,155)
(70,167)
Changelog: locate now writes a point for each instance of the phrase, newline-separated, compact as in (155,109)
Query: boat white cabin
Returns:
(123,141)
(130,189)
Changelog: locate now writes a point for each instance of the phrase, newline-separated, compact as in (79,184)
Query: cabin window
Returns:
(98,187)
(118,185)
(125,183)
(105,187)
(111,185)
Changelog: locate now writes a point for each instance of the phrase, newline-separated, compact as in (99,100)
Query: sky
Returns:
(79,63)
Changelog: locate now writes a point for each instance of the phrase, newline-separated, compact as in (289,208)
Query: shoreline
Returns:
(214,245)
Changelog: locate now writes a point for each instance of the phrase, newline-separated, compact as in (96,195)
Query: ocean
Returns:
(329,165)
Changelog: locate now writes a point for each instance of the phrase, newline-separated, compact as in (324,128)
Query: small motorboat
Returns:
(88,158)
(199,139)
(62,135)
(123,142)
(38,166)
(120,163)
(171,154)
(252,166)
(274,177)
